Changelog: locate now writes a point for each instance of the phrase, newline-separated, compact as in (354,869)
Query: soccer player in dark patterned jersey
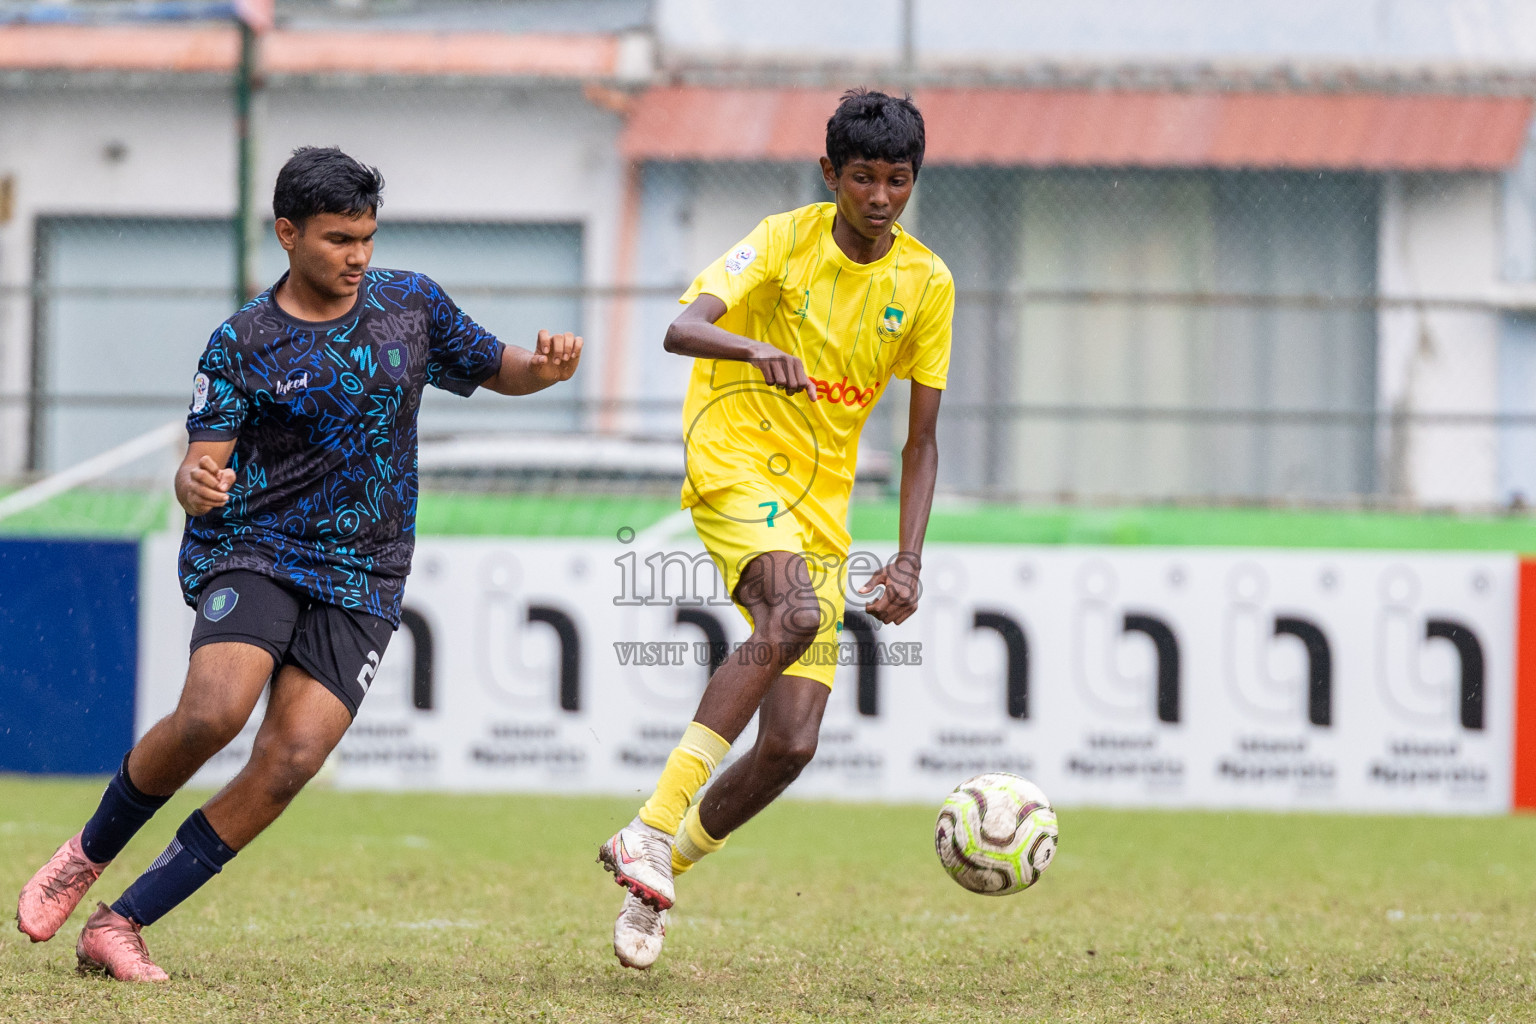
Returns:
(299,485)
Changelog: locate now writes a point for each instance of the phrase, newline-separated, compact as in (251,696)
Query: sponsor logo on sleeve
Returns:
(200,392)
(740,260)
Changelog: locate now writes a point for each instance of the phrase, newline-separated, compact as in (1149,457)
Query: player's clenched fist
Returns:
(896,602)
(203,486)
(555,356)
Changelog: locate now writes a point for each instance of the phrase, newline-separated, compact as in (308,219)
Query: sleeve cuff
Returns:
(492,368)
(466,386)
(205,434)
(692,295)
(925,379)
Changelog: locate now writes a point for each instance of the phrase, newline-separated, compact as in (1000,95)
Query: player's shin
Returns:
(688,768)
(194,856)
(693,843)
(123,810)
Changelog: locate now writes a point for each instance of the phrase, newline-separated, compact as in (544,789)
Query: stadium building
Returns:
(1225,256)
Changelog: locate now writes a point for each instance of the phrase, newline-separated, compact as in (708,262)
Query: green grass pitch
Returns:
(370,907)
(105,513)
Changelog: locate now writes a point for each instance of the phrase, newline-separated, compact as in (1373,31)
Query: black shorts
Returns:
(337,646)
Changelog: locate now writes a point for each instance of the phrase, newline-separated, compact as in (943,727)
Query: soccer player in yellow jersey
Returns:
(795,334)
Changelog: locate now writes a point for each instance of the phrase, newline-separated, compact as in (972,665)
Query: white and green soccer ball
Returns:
(996,834)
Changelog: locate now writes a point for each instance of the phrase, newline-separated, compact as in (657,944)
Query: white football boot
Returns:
(640,858)
(638,933)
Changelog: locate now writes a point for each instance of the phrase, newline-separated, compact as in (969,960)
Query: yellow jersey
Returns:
(853,325)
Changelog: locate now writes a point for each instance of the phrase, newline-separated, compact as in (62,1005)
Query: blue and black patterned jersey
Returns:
(323,416)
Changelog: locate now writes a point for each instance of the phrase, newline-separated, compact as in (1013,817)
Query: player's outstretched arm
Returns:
(919,470)
(203,479)
(694,333)
(553,359)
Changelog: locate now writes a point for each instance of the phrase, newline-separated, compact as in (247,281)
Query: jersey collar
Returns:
(832,249)
(316,325)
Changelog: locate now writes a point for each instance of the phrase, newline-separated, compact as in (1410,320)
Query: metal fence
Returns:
(1120,336)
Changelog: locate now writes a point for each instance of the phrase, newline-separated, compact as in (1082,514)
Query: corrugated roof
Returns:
(1065,128)
(215,48)
(118,48)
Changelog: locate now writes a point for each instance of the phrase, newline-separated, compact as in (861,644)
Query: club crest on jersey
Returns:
(220,603)
(200,392)
(892,321)
(740,260)
(393,358)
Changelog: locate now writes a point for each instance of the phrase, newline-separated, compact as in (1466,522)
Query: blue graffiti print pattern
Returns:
(323,416)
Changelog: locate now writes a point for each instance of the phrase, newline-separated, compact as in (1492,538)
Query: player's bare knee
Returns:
(785,755)
(288,763)
(203,731)
(792,629)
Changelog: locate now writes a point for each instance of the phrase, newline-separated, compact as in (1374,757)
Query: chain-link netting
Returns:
(1121,336)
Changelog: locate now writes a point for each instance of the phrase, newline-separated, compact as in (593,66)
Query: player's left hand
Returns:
(900,579)
(555,356)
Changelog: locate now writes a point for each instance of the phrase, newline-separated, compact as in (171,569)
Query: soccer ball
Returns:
(996,834)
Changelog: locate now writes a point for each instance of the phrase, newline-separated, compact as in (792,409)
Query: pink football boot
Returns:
(112,943)
(47,901)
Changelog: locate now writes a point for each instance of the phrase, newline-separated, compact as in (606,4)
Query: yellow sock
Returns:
(689,766)
(692,842)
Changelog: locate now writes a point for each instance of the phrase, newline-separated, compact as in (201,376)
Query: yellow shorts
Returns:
(740,523)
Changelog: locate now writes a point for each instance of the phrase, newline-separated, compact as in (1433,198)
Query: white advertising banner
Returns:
(1377,681)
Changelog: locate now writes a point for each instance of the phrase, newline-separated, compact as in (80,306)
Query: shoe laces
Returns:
(125,934)
(656,847)
(641,917)
(71,875)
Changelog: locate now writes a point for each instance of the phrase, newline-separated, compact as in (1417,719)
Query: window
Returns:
(125,307)
(1146,335)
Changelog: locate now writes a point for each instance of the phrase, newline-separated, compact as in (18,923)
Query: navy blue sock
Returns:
(122,812)
(194,856)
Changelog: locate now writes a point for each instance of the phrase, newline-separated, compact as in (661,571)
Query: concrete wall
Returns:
(495,154)
(1440,237)
(474,153)
(688,216)
(965,32)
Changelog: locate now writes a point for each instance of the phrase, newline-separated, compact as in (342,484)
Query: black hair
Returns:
(873,126)
(325,180)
